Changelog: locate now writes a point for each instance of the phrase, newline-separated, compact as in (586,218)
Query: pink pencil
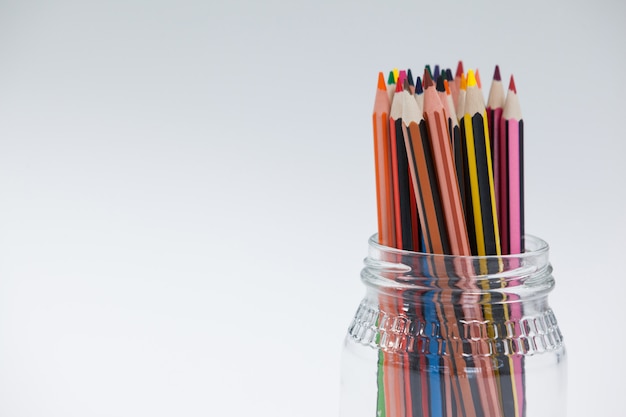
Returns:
(512,129)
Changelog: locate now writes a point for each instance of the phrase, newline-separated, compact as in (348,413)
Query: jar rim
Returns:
(534,247)
(391,267)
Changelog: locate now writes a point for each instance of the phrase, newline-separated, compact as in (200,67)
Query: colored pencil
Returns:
(435,103)
(511,174)
(391,85)
(382,160)
(460,102)
(423,175)
(401,176)
(419,93)
(512,203)
(485,237)
(459,72)
(411,83)
(453,86)
(495,104)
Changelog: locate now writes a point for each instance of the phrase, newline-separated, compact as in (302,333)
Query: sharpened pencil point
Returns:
(463,85)
(419,88)
(478,83)
(428,80)
(409,76)
(436,73)
(401,76)
(446,84)
(449,75)
(381,81)
(395,75)
(400,81)
(440,86)
(496,74)
(512,85)
(406,84)
(471,79)
(427,68)
(459,69)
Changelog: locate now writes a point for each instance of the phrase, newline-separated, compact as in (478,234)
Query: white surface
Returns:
(186,192)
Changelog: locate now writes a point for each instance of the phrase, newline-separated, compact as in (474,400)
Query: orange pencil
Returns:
(434,229)
(382,159)
(438,130)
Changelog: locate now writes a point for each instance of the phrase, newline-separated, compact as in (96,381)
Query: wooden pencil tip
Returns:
(512,85)
(381,81)
(430,72)
(436,73)
(401,76)
(459,69)
(409,76)
(428,81)
(449,76)
(440,86)
(478,83)
(419,88)
(496,74)
(395,75)
(471,79)
(406,85)
(463,85)
(446,84)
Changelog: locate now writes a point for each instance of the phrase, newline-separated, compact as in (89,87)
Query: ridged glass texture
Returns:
(454,336)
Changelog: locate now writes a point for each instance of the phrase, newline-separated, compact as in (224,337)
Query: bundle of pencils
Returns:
(449,180)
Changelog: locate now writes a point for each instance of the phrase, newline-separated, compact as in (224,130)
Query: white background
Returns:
(187,189)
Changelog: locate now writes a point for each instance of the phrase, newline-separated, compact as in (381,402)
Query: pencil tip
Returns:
(446,84)
(440,86)
(381,81)
(496,74)
(400,81)
(512,85)
(401,76)
(427,68)
(436,73)
(449,76)
(471,79)
(459,69)
(418,85)
(406,84)
(428,81)
(478,83)
(409,76)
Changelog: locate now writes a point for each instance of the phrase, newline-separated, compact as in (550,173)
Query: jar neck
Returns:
(392,271)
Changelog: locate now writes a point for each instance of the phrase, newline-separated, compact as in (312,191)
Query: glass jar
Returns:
(454,336)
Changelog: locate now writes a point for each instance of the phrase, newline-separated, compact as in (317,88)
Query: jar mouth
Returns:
(387,267)
(534,247)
